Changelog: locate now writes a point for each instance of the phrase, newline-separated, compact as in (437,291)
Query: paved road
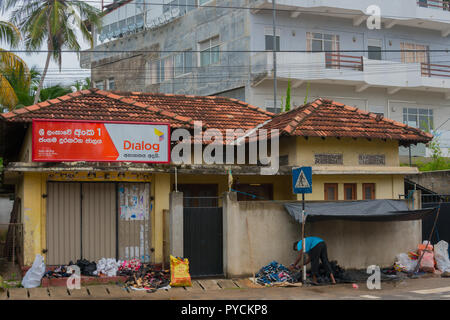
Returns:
(243,289)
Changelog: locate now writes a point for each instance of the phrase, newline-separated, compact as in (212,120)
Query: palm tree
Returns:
(82,84)
(26,94)
(55,23)
(11,66)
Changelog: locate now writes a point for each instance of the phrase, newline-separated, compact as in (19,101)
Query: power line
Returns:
(228,51)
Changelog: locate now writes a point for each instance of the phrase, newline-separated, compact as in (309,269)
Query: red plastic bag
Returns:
(427,262)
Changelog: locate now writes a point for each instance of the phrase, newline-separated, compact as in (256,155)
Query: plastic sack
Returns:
(34,275)
(427,262)
(405,263)
(441,256)
(179,272)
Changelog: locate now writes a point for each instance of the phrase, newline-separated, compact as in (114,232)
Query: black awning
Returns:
(366,210)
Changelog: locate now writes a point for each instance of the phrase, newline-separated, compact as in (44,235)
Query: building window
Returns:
(414,53)
(209,51)
(331,191)
(374,48)
(328,158)
(183,63)
(99,85)
(182,5)
(368,191)
(268,32)
(372,159)
(319,42)
(111,84)
(418,118)
(152,72)
(349,191)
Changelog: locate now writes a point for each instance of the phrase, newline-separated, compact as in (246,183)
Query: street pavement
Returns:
(433,288)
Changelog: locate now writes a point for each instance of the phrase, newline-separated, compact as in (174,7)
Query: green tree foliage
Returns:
(11,65)
(438,162)
(287,105)
(53,23)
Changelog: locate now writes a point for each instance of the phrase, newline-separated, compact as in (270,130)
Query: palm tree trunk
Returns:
(41,82)
(47,62)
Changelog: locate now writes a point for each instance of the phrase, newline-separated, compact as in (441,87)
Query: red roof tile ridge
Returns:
(268,113)
(303,112)
(45,104)
(393,122)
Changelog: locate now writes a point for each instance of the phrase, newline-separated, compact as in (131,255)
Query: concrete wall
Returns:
(272,231)
(5,214)
(437,181)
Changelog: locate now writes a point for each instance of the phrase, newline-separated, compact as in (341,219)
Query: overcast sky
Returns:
(70,70)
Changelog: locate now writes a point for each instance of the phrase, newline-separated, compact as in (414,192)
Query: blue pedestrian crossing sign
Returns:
(302,180)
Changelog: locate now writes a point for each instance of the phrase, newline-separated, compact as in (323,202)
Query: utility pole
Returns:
(274,55)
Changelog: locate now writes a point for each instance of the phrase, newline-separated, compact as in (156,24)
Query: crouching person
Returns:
(316,248)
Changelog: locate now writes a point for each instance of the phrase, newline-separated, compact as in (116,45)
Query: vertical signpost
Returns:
(302,183)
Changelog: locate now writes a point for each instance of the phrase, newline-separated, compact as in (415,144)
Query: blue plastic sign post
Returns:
(302,180)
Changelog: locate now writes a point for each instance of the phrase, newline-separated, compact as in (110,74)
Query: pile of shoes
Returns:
(127,267)
(275,273)
(148,278)
(59,272)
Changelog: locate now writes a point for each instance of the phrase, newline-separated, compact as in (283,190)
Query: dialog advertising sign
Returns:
(100,141)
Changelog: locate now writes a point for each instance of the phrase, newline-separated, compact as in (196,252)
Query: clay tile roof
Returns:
(326,118)
(214,111)
(178,110)
(93,105)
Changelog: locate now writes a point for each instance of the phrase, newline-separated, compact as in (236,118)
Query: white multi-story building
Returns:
(388,57)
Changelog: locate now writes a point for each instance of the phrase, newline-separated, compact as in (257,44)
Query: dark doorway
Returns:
(203,240)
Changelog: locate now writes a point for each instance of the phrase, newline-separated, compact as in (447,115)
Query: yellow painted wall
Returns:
(161,190)
(33,215)
(281,184)
(386,186)
(350,148)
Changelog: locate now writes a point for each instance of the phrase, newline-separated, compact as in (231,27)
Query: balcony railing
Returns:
(435,70)
(338,61)
(434,4)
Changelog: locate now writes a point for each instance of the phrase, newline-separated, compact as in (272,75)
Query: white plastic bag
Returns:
(404,260)
(34,275)
(441,256)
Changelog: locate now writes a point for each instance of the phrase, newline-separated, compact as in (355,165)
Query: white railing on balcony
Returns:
(338,61)
(435,70)
(353,70)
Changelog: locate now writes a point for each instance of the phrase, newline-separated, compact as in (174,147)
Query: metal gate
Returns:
(203,240)
(94,220)
(63,222)
(442,230)
(98,220)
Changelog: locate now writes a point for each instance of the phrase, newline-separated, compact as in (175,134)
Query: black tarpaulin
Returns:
(366,210)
